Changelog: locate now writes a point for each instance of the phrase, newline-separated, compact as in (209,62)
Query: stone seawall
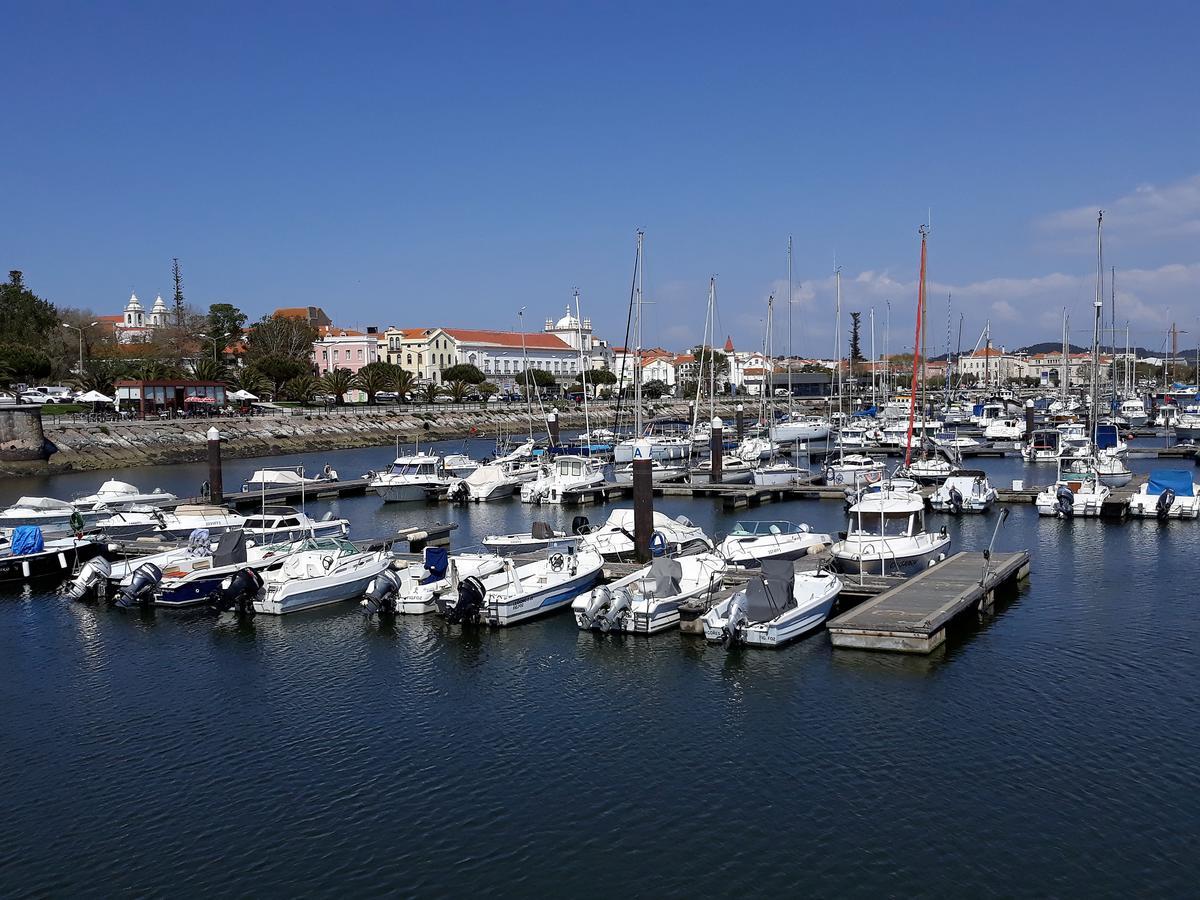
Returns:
(21,437)
(87,446)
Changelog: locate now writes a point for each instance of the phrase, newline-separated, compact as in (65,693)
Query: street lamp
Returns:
(208,337)
(80,330)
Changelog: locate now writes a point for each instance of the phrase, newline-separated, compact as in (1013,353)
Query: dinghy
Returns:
(776,607)
(648,601)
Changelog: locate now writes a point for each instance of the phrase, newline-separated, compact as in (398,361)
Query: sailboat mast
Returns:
(837,336)
(637,338)
(1094,412)
(912,394)
(583,372)
(710,326)
(791,304)
(874,360)
(525,366)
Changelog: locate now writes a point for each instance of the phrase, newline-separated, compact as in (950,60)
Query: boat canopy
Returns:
(771,593)
(1106,436)
(665,573)
(112,486)
(1178,480)
(46,503)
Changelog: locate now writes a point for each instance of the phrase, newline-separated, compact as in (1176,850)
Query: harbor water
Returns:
(1047,749)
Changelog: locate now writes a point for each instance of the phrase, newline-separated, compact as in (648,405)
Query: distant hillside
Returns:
(1050,347)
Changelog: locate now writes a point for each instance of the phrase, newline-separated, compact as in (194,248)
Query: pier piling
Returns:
(643,506)
(716,450)
(216,489)
(741,422)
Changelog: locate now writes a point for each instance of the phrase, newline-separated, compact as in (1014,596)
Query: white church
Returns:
(136,326)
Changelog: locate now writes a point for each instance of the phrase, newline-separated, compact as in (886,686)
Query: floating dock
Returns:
(912,617)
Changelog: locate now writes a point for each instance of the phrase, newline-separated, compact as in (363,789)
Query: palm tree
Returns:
(249,379)
(152,370)
(338,382)
(207,369)
(402,382)
(458,390)
(430,392)
(372,378)
(98,375)
(301,388)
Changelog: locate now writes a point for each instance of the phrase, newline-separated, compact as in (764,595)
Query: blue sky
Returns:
(446,164)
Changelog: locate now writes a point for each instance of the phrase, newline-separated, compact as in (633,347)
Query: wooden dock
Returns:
(912,617)
(732,496)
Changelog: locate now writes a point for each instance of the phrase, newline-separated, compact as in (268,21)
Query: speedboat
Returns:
(413,589)
(117,495)
(1077,491)
(1167,494)
(25,554)
(487,482)
(967,490)
(886,536)
(459,465)
(176,524)
(280,479)
(614,539)
(516,594)
(563,475)
(661,472)
(1043,446)
(752,542)
(648,600)
(853,470)
(539,537)
(793,428)
(318,572)
(410,478)
(775,607)
(46,513)
(781,472)
(1005,430)
(283,523)
(952,441)
(734,470)
(1133,411)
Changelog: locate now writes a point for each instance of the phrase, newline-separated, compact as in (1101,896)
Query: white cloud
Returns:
(1149,213)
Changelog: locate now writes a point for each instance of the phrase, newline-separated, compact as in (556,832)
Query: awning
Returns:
(199,400)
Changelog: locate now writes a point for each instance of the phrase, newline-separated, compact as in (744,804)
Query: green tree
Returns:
(856,356)
(373,378)
(226,324)
(24,362)
(338,382)
(402,382)
(280,336)
(249,379)
(487,389)
(458,390)
(99,375)
(279,368)
(537,377)
(429,392)
(300,389)
(598,376)
(178,303)
(464,372)
(27,318)
(208,369)
(654,388)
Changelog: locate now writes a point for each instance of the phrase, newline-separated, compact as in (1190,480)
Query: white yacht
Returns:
(796,427)
(781,471)
(177,524)
(459,465)
(487,482)
(1133,411)
(852,470)
(751,542)
(561,475)
(273,479)
(1187,426)
(46,513)
(283,523)
(648,600)
(1005,430)
(966,491)
(859,437)
(776,607)
(1074,440)
(1167,494)
(1078,491)
(319,572)
(1045,445)
(928,469)
(734,470)
(886,536)
(540,537)
(614,539)
(418,477)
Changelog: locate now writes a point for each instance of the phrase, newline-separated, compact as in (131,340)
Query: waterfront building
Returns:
(135,325)
(501,355)
(343,348)
(578,334)
(168,397)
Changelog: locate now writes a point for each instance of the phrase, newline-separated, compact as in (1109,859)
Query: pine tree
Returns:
(177,275)
(855,347)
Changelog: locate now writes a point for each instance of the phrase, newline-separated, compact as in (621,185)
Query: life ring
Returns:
(658,544)
(829,473)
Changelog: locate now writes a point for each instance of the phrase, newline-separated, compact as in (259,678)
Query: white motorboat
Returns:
(413,589)
(274,524)
(897,434)
(648,600)
(516,594)
(1111,469)
(852,470)
(487,482)
(117,495)
(614,539)
(658,446)
(793,428)
(966,491)
(459,465)
(781,472)
(1073,440)
(281,478)
(859,437)
(1133,411)
(540,537)
(410,478)
(776,607)
(46,513)
(319,572)
(752,449)
(1044,446)
(661,472)
(952,441)
(1005,430)
(563,474)
(176,524)
(886,536)
(928,469)
(752,542)
(1167,494)
(734,470)
(1167,416)
(892,484)
(523,470)
(1077,491)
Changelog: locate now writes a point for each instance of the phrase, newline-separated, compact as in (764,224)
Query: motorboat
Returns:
(1133,411)
(487,482)
(1109,441)
(648,600)
(776,607)
(966,491)
(46,513)
(734,470)
(752,449)
(116,495)
(657,446)
(540,537)
(199,544)
(1112,469)
(886,536)
(274,524)
(516,594)
(523,470)
(413,589)
(1187,426)
(953,442)
(894,483)
(563,475)
(318,572)
(459,465)
(781,471)
(928,469)
(852,470)
(26,555)
(410,478)
(859,437)
(1078,491)
(1005,430)
(661,471)
(793,428)
(614,539)
(1166,416)
(292,478)
(987,413)
(1073,440)
(1166,494)
(177,524)
(1044,446)
(751,542)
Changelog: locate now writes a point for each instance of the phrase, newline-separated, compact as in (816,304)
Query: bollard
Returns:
(215,487)
(643,507)
(552,428)
(1028,419)
(741,422)
(716,452)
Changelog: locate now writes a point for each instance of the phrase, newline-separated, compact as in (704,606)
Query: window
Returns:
(410,359)
(360,354)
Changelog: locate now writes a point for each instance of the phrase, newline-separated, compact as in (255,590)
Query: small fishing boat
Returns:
(411,478)
(614,539)
(648,600)
(519,593)
(776,607)
(886,536)
(318,572)
(25,555)
(413,589)
(1044,446)
(287,478)
(1077,491)
(1167,494)
(275,524)
(562,475)
(487,482)
(46,513)
(966,491)
(539,537)
(661,472)
(177,524)
(752,542)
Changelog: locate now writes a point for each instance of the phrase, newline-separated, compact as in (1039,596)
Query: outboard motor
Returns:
(140,590)
(469,602)
(94,573)
(599,599)
(621,601)
(237,593)
(956,501)
(380,599)
(460,493)
(1162,509)
(734,621)
(1066,501)
(579,525)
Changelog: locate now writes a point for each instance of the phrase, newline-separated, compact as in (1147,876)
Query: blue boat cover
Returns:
(871,411)
(437,560)
(27,539)
(1178,480)
(1106,437)
(977,409)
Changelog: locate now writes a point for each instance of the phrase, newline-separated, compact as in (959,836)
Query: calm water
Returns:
(1046,750)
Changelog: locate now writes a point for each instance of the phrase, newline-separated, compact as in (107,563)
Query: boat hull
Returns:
(53,562)
(507,612)
(869,562)
(280,598)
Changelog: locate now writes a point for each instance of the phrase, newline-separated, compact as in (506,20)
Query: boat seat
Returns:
(542,531)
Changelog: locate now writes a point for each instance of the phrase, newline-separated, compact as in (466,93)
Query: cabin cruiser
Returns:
(886,536)
(614,539)
(487,482)
(518,593)
(661,471)
(1073,440)
(897,434)
(1078,491)
(952,441)
(1044,446)
(648,600)
(1005,430)
(967,490)
(859,437)
(1167,494)
(563,474)
(409,478)
(413,589)
(26,555)
(852,470)
(539,537)
(1187,426)
(752,542)
(273,479)
(928,469)
(986,413)
(1109,441)
(734,470)
(46,513)
(781,471)
(116,495)
(459,465)
(774,608)
(893,484)
(1133,411)
(283,523)
(1166,416)
(318,572)
(177,524)
(793,428)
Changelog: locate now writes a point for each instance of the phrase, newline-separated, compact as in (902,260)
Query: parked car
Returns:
(386,396)
(35,397)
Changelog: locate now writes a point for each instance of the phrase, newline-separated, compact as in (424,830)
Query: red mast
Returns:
(912,399)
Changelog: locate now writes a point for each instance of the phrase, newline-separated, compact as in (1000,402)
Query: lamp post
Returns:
(208,337)
(80,330)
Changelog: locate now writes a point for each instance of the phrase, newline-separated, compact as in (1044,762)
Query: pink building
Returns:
(342,348)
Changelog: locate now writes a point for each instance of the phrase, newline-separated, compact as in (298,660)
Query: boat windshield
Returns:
(758,528)
(888,524)
(414,469)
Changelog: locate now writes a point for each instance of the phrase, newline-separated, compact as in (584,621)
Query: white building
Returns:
(135,326)
(502,355)
(577,335)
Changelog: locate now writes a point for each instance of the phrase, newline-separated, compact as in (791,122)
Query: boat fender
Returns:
(1162,509)
(557,561)
(658,544)
(77,524)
